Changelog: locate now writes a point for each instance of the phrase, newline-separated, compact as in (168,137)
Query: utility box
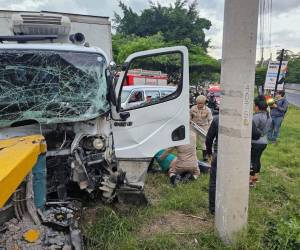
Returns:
(96,29)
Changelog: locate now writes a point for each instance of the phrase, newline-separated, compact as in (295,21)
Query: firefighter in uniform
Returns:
(186,161)
(202,116)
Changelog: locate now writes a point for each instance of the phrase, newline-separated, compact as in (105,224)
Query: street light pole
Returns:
(235,121)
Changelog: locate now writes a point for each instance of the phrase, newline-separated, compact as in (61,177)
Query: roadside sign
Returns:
(272,72)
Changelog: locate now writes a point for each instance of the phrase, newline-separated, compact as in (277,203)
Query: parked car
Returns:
(135,95)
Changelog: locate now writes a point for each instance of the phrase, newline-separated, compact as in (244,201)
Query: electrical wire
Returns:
(265,27)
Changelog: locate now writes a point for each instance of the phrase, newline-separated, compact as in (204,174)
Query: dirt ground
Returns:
(176,223)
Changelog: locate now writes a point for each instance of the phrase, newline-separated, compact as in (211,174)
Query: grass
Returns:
(274,212)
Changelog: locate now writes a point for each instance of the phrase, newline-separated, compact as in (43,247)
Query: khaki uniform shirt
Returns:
(186,155)
(202,117)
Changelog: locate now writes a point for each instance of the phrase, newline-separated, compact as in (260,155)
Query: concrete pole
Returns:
(237,82)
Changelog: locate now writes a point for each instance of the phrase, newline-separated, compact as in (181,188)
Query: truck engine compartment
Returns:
(85,159)
(80,167)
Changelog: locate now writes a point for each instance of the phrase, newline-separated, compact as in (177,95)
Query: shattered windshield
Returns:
(51,86)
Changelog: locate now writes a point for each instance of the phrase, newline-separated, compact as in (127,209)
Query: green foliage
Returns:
(128,23)
(159,242)
(176,22)
(186,198)
(159,26)
(284,234)
(293,71)
(260,75)
(293,59)
(108,229)
(123,46)
(293,75)
(202,66)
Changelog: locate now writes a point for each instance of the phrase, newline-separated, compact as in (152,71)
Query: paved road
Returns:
(293,98)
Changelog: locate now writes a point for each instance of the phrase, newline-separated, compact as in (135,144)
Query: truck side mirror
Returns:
(112,66)
(124,115)
(110,88)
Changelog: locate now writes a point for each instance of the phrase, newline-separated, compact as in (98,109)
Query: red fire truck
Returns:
(146,77)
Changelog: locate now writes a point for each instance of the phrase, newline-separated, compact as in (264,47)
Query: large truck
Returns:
(56,81)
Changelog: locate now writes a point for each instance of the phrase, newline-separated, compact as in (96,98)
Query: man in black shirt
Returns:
(212,149)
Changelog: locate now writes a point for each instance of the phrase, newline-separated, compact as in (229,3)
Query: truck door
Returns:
(141,130)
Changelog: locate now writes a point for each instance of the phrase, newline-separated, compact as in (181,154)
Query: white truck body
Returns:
(99,150)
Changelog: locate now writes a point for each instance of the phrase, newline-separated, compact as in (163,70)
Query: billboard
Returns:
(272,72)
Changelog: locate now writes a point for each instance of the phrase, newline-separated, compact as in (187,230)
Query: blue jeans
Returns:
(275,127)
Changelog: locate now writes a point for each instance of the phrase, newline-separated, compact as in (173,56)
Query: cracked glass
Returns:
(51,86)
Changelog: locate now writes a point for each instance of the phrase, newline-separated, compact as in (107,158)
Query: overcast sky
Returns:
(285,16)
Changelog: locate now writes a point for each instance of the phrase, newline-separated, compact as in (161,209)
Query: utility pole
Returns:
(235,124)
(279,70)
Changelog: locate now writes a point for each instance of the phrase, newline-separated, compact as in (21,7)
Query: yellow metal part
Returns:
(32,235)
(16,247)
(17,158)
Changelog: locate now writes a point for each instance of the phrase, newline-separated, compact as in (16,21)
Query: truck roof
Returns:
(96,29)
(54,12)
(53,46)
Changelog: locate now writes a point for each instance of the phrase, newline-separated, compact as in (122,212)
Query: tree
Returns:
(159,26)
(293,59)
(128,23)
(123,46)
(293,75)
(260,76)
(176,22)
(202,66)
(287,55)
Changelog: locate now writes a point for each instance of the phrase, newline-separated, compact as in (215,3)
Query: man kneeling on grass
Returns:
(185,163)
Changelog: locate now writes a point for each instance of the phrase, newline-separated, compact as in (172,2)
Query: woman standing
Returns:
(263,122)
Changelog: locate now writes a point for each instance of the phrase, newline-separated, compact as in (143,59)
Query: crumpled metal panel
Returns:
(51,86)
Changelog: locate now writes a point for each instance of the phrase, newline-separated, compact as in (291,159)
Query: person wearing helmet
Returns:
(202,116)
(212,102)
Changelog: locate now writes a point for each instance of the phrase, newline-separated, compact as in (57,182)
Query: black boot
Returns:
(186,177)
(204,154)
(174,179)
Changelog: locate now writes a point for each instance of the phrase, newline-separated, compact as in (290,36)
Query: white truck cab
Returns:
(64,91)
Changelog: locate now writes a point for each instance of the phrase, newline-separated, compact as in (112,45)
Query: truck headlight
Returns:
(98,143)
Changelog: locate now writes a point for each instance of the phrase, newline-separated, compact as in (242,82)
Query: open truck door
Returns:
(141,130)
(159,122)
